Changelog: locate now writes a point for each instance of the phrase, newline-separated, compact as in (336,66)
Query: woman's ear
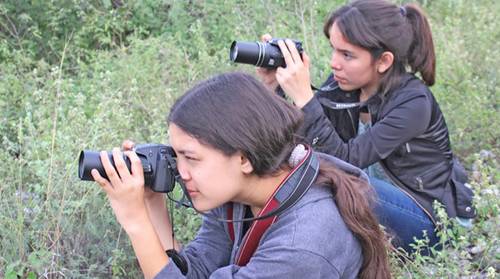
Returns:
(246,165)
(385,62)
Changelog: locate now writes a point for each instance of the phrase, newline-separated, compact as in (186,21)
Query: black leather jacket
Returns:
(408,136)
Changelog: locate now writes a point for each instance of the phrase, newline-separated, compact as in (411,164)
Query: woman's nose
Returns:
(334,62)
(183,172)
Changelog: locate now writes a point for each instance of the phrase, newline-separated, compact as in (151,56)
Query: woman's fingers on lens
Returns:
(97,176)
(136,165)
(100,180)
(109,169)
(266,37)
(286,53)
(120,164)
(128,145)
(293,51)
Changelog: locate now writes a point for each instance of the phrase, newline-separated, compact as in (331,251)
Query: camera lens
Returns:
(260,54)
(246,53)
(91,160)
(233,52)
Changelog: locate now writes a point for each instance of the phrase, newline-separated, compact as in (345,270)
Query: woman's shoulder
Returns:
(317,213)
(314,224)
(411,90)
(411,87)
(316,218)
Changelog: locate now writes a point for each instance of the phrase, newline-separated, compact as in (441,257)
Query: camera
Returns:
(260,54)
(158,163)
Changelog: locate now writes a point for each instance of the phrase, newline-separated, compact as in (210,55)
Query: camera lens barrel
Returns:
(91,160)
(246,52)
(260,54)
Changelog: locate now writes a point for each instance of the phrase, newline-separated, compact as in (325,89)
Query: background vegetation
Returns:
(78,74)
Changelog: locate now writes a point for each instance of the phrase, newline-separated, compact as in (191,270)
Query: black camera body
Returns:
(260,54)
(158,163)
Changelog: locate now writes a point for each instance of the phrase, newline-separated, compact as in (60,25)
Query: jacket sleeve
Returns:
(406,120)
(210,250)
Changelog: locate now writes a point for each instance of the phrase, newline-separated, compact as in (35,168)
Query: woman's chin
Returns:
(203,207)
(346,87)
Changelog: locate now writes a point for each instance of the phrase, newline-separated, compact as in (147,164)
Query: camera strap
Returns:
(324,100)
(331,104)
(338,106)
(288,193)
(291,190)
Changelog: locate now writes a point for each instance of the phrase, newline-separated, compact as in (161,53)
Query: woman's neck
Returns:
(259,190)
(370,89)
(366,94)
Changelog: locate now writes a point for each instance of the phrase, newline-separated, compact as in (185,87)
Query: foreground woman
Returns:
(238,154)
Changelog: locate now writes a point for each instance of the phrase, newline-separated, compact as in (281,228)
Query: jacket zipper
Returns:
(352,122)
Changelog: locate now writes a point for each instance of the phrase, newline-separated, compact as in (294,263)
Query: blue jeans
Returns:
(401,216)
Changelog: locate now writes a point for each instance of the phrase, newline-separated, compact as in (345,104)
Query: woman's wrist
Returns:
(137,222)
(154,198)
(303,100)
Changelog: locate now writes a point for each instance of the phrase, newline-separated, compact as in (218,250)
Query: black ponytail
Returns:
(421,56)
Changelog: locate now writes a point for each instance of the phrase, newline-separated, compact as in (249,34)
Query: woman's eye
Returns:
(348,55)
(190,158)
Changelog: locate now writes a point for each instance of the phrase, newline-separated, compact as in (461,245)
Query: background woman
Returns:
(234,139)
(382,57)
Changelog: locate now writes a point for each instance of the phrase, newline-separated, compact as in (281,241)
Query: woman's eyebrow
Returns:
(340,49)
(343,50)
(185,152)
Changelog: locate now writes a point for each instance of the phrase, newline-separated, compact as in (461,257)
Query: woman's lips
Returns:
(340,79)
(192,192)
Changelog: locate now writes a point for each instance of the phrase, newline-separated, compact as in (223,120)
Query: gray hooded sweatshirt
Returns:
(308,240)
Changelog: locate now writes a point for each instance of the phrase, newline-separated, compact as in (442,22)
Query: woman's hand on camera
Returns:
(125,189)
(295,79)
(267,76)
(128,145)
(157,211)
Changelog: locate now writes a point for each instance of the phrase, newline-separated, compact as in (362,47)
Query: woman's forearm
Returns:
(147,246)
(158,214)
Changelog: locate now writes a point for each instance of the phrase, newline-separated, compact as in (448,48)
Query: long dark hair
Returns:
(355,198)
(379,26)
(235,112)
